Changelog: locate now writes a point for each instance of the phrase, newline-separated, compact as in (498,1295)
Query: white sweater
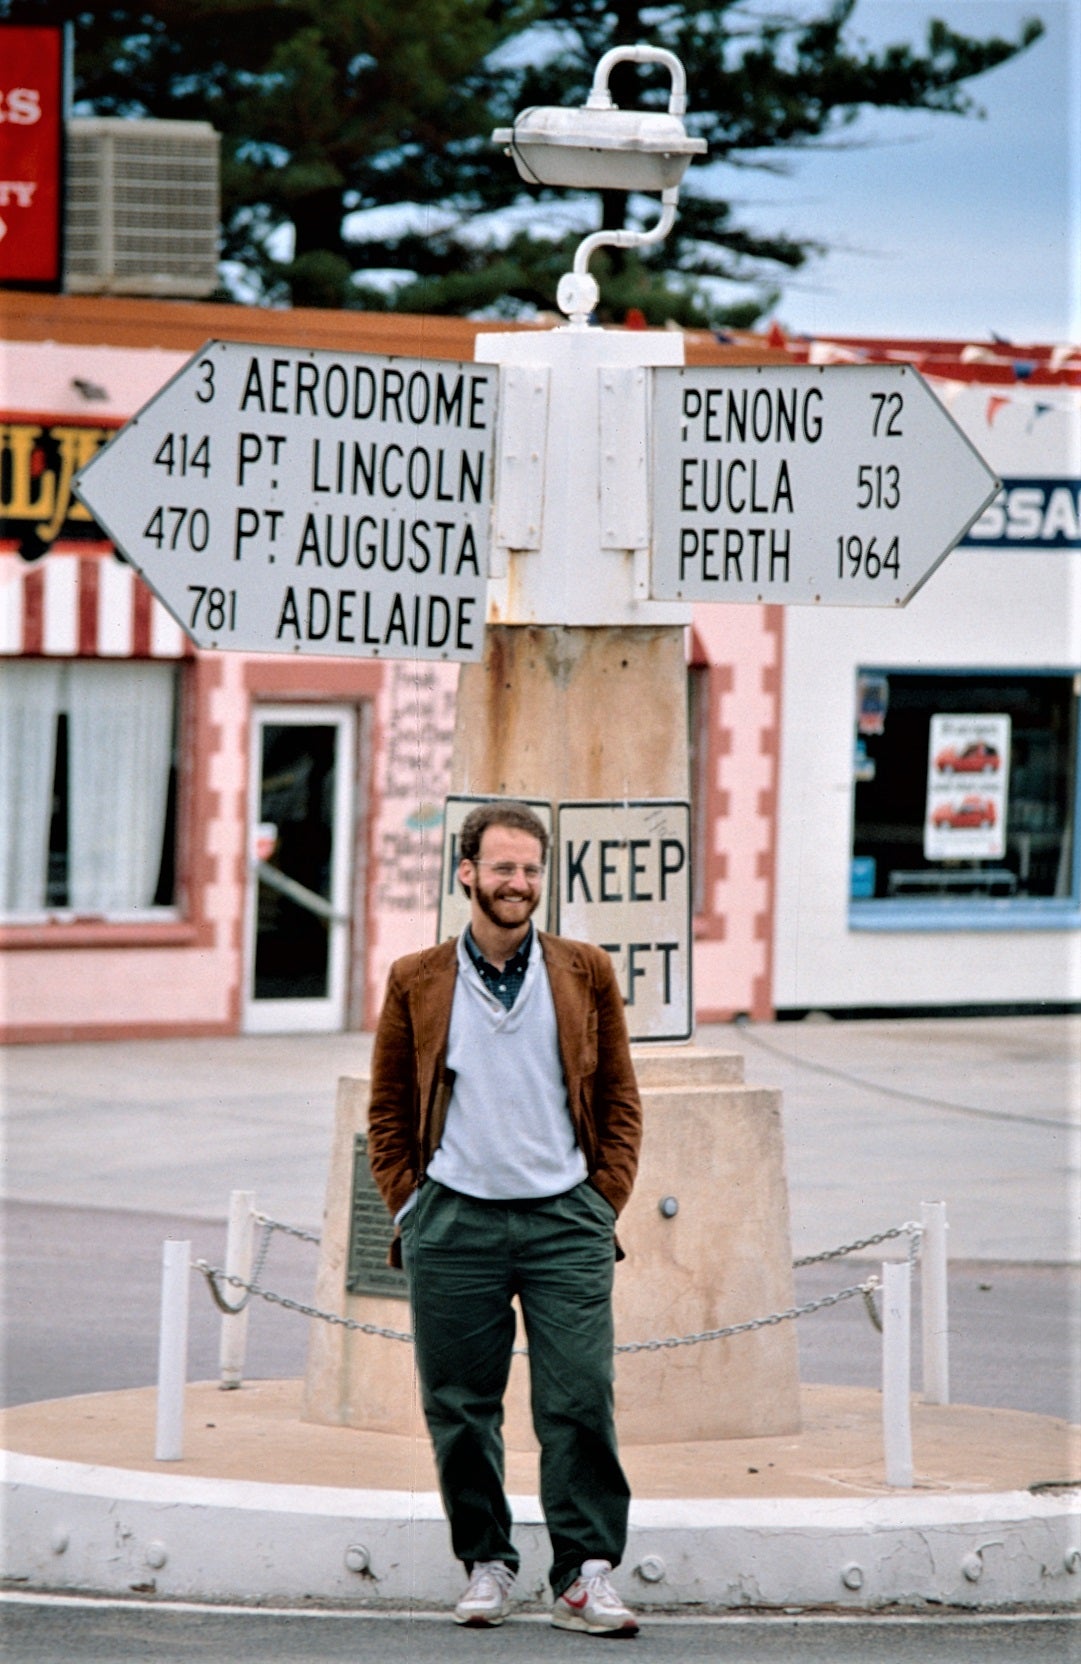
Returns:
(508,1133)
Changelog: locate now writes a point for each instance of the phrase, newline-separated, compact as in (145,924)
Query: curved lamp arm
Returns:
(578,292)
(601,99)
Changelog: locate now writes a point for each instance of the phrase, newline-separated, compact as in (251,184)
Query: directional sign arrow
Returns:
(280,500)
(845,485)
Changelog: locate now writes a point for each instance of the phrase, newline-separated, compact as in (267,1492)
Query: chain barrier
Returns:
(287,1230)
(912,1229)
(216,1277)
(753,1323)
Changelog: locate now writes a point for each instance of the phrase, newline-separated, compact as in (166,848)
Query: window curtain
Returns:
(120,738)
(30,702)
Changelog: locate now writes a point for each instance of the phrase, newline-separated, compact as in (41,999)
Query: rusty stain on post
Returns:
(565,712)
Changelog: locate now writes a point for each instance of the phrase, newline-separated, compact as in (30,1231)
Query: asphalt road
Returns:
(82,1291)
(57,1631)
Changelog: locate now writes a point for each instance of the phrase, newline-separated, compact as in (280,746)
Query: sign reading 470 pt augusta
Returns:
(285,500)
(844,485)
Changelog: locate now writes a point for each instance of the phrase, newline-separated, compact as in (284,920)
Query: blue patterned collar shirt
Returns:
(506,984)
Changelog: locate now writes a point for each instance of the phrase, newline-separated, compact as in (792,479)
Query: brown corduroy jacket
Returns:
(411,1084)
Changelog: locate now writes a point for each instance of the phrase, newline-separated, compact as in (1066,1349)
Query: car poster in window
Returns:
(968,766)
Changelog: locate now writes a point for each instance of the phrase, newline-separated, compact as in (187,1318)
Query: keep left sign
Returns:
(624,883)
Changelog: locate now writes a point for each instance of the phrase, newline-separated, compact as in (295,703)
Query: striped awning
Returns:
(81,601)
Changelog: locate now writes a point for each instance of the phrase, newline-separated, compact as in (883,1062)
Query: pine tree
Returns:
(358,131)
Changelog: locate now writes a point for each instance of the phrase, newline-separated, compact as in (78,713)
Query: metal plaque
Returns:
(367,1271)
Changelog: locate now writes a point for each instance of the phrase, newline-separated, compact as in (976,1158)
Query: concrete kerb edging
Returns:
(110,1531)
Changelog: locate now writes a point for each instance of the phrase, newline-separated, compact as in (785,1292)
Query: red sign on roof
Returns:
(32,61)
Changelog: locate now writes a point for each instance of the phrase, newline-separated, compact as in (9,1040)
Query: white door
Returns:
(300,868)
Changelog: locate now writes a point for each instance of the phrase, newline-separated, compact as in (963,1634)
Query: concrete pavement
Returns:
(879,1117)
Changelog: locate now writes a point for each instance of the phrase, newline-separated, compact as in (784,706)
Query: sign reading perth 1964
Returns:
(291,501)
(844,485)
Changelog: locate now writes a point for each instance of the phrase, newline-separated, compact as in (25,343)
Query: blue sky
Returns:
(945,226)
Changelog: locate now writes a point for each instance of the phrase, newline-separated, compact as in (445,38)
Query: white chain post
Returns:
(173,1350)
(896,1371)
(233,1347)
(935,1303)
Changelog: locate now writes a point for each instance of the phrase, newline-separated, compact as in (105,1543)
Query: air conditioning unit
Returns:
(143,207)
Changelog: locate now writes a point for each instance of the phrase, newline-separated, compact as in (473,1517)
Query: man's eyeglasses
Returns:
(507,869)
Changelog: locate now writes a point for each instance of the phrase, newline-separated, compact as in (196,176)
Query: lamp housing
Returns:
(599,149)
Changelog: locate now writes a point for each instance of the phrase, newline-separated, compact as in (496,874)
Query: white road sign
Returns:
(845,485)
(624,883)
(279,500)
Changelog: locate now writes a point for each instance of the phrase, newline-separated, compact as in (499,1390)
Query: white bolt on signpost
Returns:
(897,1371)
(173,1350)
(238,1262)
(935,1302)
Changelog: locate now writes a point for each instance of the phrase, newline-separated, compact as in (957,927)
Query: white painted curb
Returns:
(69,1526)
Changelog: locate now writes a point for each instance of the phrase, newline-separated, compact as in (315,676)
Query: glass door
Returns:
(300,868)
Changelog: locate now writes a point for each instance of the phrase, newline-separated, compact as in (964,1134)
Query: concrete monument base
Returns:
(714,1147)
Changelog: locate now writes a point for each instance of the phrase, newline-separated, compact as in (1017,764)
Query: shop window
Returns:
(965,799)
(87,789)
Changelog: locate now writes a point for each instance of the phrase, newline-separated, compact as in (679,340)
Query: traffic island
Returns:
(265,1507)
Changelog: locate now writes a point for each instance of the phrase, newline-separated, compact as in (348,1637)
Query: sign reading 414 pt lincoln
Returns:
(280,500)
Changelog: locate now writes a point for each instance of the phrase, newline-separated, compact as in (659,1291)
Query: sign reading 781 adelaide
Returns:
(291,500)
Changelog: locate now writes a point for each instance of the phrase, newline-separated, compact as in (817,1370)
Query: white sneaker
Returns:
(591,1604)
(484,1604)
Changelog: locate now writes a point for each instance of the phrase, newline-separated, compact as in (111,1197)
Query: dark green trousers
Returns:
(466,1260)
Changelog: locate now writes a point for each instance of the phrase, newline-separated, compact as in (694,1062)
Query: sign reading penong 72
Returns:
(287,500)
(841,485)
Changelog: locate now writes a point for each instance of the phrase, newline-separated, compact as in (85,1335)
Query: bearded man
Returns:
(503,1134)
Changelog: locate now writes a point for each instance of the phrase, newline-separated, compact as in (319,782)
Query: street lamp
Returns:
(600,147)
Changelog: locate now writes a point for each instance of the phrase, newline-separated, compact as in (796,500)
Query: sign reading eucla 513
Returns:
(280,500)
(844,485)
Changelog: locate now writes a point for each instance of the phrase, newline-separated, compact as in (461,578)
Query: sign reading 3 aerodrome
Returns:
(284,500)
(845,485)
